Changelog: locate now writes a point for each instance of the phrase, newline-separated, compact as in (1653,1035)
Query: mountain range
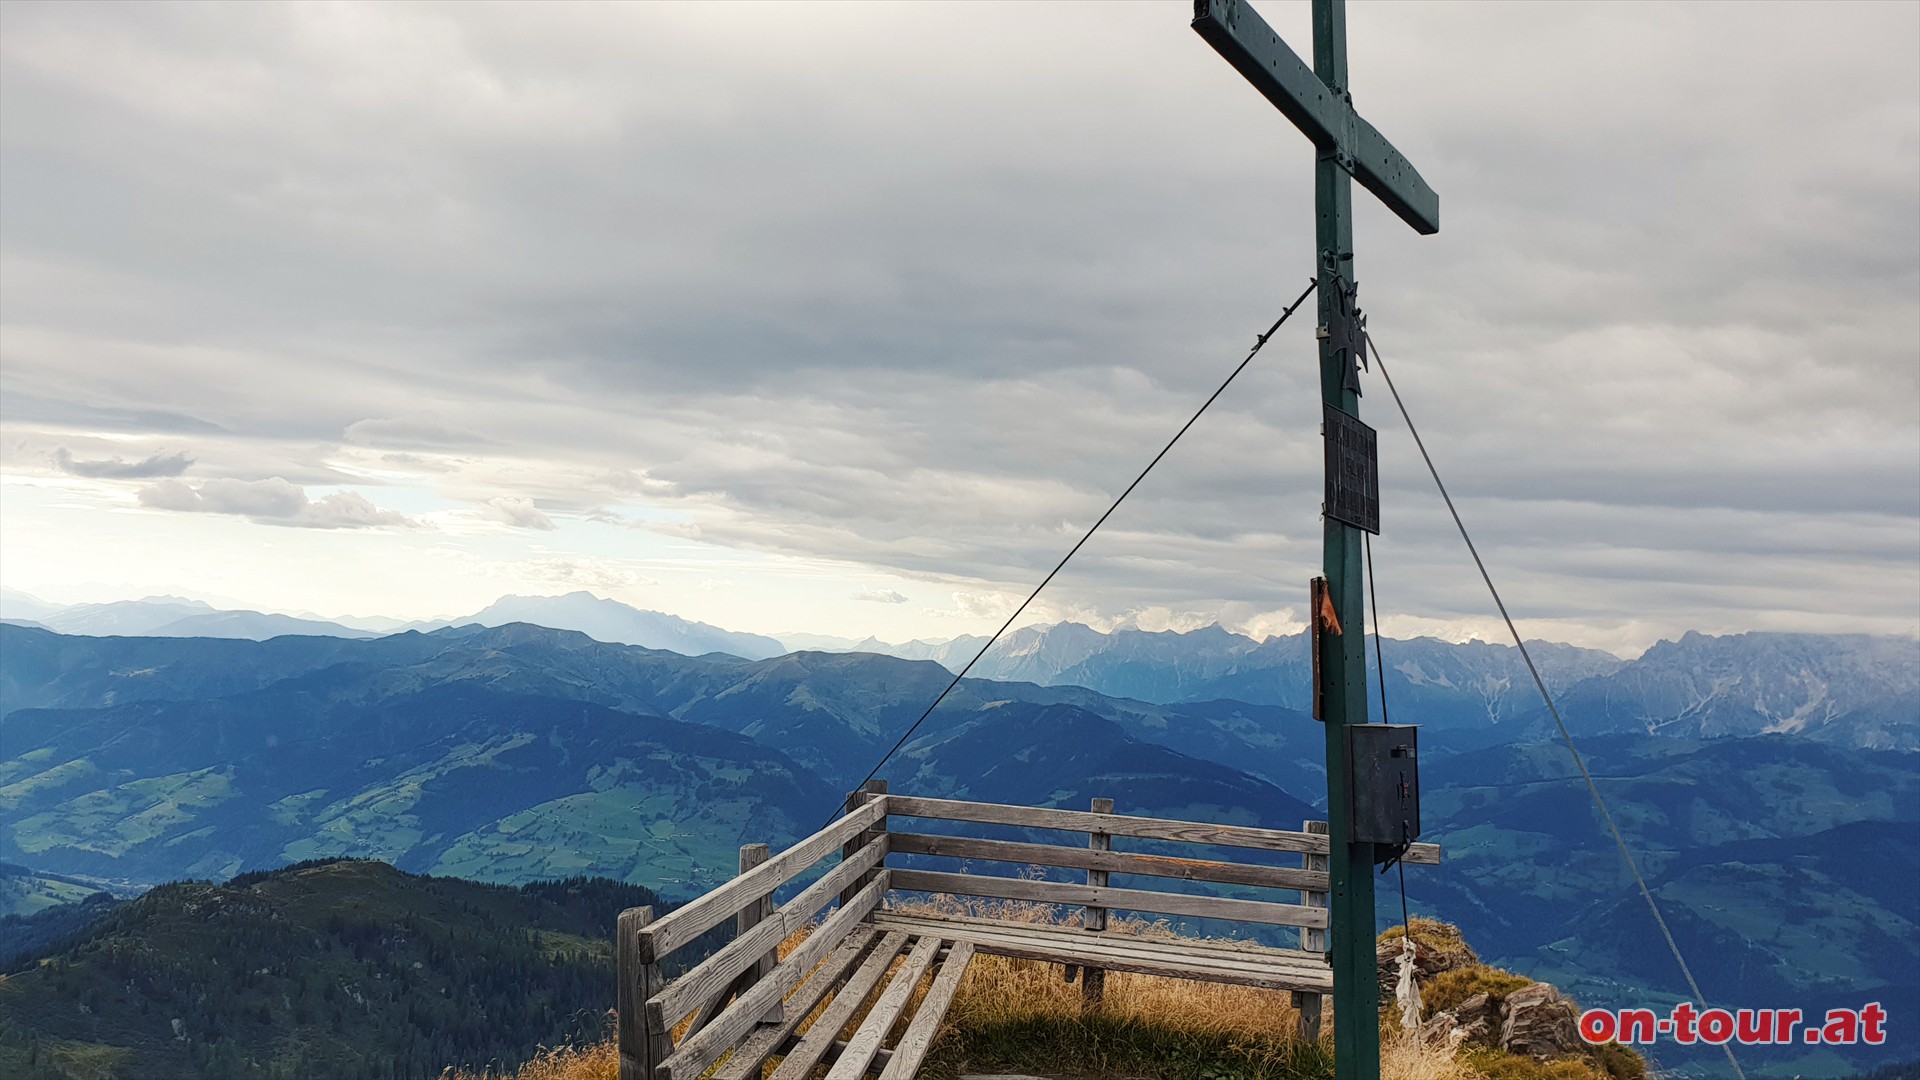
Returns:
(1849,688)
(518,752)
(1856,689)
(1770,831)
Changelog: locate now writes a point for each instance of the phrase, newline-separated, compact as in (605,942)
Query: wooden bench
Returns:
(743,1005)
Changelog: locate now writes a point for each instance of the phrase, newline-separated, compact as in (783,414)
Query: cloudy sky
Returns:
(849,319)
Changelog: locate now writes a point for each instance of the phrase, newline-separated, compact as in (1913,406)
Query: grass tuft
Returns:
(1496,1065)
(1450,988)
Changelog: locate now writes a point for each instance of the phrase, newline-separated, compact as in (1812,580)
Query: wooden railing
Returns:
(733,1000)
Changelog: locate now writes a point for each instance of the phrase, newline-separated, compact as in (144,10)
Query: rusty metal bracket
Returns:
(1322,620)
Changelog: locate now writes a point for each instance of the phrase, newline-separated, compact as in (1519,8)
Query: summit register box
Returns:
(1386,783)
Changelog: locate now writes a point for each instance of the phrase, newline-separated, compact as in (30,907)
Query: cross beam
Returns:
(1323,113)
(1347,148)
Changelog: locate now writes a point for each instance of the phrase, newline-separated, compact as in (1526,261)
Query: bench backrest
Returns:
(1090,851)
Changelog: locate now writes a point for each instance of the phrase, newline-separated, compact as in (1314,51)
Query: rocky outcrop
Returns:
(1469,1003)
(1540,1023)
(1535,1021)
(1477,1020)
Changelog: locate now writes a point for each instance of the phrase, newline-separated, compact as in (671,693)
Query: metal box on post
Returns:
(1386,784)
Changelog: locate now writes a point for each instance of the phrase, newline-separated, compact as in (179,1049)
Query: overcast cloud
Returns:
(836,304)
(114,469)
(268,502)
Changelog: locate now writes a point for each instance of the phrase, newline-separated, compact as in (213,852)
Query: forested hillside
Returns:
(344,969)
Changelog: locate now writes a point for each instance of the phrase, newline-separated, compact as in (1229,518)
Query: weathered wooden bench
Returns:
(744,1005)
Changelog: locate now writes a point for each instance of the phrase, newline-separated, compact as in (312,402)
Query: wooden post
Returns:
(1093,980)
(1308,1005)
(867,793)
(641,1050)
(752,855)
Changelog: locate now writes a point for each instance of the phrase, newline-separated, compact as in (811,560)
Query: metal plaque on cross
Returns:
(1353,471)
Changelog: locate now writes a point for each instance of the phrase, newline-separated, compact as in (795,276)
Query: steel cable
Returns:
(1258,344)
(1552,708)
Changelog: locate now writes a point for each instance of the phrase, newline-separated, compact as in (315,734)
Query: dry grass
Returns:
(1178,1027)
(1399,1061)
(1493,1065)
(1405,1058)
(1005,990)
(601,1061)
(1001,991)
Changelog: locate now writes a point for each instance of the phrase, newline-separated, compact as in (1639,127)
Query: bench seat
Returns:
(1243,964)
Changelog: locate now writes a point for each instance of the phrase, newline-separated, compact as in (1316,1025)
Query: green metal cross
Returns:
(1347,148)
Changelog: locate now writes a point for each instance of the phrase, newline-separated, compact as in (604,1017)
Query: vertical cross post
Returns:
(1356,1028)
(1346,148)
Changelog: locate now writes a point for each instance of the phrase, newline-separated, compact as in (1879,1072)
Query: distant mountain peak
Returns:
(612,621)
(577,596)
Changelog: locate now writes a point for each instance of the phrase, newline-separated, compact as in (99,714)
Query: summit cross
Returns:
(1347,148)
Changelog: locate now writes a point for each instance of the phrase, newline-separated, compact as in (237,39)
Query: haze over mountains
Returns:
(1849,688)
(163,616)
(172,616)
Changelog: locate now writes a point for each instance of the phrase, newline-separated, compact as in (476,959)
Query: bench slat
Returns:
(744,1062)
(1119,862)
(812,1046)
(698,916)
(853,1061)
(1082,821)
(704,1047)
(1073,944)
(1172,958)
(917,1040)
(1055,892)
(1223,950)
